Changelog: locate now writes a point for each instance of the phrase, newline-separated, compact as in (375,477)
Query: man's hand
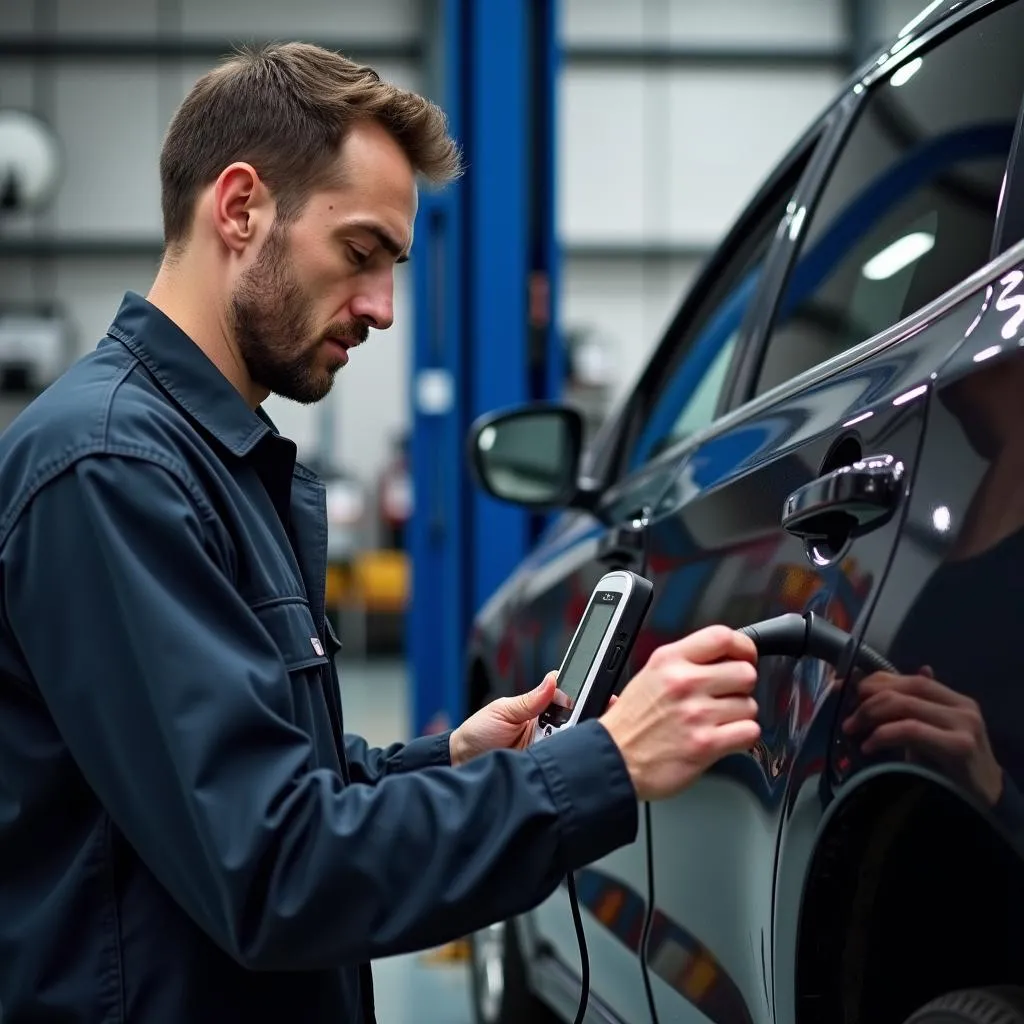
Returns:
(932,723)
(688,707)
(507,723)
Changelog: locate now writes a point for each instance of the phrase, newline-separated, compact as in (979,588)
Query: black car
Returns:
(832,427)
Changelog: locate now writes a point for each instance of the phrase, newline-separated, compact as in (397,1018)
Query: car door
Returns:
(839,403)
(678,396)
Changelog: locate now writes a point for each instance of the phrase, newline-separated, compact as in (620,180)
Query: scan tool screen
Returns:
(588,641)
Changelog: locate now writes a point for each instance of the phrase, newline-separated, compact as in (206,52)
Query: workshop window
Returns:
(909,209)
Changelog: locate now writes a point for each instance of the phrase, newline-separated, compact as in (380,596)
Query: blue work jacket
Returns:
(187,834)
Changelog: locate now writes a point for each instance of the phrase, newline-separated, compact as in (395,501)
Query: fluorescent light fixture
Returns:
(911,25)
(988,353)
(893,258)
(904,74)
(859,419)
(910,395)
(942,519)
(797,222)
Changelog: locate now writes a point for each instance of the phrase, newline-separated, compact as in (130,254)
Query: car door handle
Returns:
(848,502)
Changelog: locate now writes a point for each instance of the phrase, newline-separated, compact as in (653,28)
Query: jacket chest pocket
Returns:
(290,623)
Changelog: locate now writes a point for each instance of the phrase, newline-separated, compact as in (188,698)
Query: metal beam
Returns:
(156,48)
(726,58)
(860,22)
(484,265)
(80,248)
(636,250)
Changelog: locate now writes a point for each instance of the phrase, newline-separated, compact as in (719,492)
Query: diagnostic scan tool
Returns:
(600,648)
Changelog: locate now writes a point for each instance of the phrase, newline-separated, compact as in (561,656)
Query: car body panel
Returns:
(730,893)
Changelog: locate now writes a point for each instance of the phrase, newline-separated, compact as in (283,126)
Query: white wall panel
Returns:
(781,23)
(672,155)
(91,291)
(725,131)
(17,85)
(106,18)
(17,282)
(106,115)
(16,16)
(603,157)
(626,303)
(786,24)
(321,19)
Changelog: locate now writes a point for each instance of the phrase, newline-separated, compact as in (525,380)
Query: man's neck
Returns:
(181,292)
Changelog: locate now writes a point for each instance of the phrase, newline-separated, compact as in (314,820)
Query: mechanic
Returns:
(186,831)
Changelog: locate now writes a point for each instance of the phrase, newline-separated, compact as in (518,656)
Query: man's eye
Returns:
(358,256)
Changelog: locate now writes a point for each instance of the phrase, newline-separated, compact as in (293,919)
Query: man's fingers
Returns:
(732,709)
(921,737)
(924,687)
(727,678)
(715,643)
(733,738)
(892,705)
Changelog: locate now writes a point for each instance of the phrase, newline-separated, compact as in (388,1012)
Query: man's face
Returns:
(320,282)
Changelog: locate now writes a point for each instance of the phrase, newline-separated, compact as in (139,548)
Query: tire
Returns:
(974,1006)
(498,987)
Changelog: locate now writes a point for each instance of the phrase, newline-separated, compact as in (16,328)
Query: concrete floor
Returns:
(408,989)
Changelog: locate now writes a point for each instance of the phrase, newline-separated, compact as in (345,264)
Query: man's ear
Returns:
(241,203)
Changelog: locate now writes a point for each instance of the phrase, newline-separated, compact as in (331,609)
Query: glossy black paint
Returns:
(817,879)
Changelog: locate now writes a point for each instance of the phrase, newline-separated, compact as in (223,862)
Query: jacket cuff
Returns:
(592,791)
(425,752)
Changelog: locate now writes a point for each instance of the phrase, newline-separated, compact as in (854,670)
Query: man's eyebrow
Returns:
(386,240)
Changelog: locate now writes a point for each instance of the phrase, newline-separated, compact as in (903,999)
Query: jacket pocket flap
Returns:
(290,624)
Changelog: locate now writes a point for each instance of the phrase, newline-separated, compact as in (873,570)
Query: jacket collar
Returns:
(186,373)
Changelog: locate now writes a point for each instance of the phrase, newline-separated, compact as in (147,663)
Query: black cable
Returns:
(649,916)
(584,958)
(577,920)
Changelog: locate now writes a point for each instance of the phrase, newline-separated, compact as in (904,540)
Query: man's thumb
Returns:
(530,704)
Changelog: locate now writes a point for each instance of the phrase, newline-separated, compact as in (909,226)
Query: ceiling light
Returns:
(893,258)
(911,25)
(904,74)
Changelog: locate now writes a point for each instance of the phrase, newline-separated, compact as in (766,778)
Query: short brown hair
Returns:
(285,109)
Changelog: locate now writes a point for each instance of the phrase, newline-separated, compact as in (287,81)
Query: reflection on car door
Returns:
(689,380)
(719,554)
(718,551)
(942,740)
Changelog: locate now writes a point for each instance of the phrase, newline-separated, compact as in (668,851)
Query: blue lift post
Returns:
(485,260)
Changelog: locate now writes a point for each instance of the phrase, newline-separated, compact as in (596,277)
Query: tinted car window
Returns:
(692,381)
(910,205)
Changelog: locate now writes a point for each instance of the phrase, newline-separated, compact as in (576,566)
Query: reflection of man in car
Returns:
(958,709)
(935,724)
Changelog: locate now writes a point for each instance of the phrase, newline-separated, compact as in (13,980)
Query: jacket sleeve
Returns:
(175,703)
(370,764)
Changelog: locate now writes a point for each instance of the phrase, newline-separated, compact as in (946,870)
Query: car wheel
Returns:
(498,980)
(974,1006)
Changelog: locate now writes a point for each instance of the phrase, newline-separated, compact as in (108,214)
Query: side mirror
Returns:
(528,456)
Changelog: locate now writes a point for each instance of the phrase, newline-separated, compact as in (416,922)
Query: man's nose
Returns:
(376,306)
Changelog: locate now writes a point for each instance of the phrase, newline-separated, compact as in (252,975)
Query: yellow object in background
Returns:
(380,581)
(375,581)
